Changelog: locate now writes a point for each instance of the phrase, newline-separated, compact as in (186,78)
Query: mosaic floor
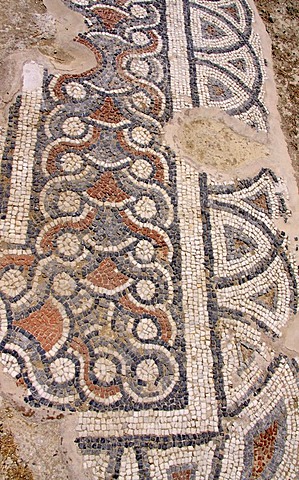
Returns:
(138,292)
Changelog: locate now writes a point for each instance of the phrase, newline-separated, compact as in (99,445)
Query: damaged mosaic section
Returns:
(137,292)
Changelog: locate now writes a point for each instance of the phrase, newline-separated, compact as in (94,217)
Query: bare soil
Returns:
(11,466)
(24,24)
(281,19)
(42,31)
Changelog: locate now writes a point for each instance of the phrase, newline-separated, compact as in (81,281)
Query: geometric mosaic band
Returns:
(137,292)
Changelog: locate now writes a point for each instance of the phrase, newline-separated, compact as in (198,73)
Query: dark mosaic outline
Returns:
(7,157)
(255,90)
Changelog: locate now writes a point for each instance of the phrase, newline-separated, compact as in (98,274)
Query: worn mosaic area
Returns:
(137,292)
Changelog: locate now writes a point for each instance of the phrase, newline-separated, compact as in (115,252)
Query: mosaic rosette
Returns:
(135,290)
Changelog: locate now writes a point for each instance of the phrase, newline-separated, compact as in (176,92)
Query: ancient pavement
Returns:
(148,274)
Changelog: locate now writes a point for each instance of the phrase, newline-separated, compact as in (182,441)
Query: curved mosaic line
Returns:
(226,65)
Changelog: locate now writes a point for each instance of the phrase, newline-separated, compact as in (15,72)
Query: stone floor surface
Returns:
(149,244)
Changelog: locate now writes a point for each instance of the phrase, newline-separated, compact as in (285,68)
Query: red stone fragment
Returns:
(183,475)
(108,112)
(107,276)
(109,17)
(46,325)
(263,450)
(106,189)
